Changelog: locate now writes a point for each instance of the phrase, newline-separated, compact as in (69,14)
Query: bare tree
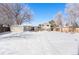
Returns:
(15,13)
(58,19)
(72,12)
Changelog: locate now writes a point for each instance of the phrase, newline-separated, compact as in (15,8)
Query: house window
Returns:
(47,25)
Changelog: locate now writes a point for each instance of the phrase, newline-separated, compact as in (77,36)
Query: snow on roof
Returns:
(46,23)
(26,24)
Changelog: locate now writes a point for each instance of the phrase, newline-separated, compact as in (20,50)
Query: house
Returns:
(27,28)
(17,28)
(56,29)
(36,28)
(46,27)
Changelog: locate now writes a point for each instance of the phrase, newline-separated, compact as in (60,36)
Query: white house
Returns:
(46,26)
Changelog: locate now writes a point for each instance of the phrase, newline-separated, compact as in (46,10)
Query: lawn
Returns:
(39,43)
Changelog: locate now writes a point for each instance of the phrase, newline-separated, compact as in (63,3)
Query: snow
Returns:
(39,43)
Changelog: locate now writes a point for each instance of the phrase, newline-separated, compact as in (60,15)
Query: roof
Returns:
(26,24)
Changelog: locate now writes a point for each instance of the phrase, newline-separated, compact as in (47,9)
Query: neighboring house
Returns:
(66,29)
(46,27)
(17,28)
(36,28)
(28,27)
(21,28)
(56,29)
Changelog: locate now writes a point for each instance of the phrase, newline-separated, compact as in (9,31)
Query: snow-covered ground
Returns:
(39,43)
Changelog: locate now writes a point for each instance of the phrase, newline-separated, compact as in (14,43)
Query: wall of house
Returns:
(17,28)
(27,28)
(46,27)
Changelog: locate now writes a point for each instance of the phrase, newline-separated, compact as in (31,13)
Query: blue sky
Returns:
(43,12)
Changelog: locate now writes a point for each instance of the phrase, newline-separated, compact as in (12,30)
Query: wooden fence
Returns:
(66,29)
